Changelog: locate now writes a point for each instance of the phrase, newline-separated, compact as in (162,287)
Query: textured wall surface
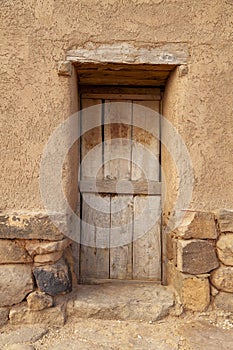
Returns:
(36,34)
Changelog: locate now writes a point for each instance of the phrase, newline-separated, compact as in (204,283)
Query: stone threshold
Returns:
(121,301)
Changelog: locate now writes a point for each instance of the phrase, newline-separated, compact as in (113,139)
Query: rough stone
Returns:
(204,336)
(4,314)
(39,301)
(224,301)
(21,314)
(29,226)
(213,291)
(183,70)
(15,283)
(196,256)
(22,335)
(225,220)
(13,252)
(197,224)
(171,248)
(54,279)
(142,301)
(37,247)
(222,279)
(225,248)
(64,68)
(47,258)
(193,291)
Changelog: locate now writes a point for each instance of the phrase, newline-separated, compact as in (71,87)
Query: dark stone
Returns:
(54,279)
(196,256)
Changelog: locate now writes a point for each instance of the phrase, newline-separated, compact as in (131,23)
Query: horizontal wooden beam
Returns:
(123,97)
(170,53)
(119,90)
(146,187)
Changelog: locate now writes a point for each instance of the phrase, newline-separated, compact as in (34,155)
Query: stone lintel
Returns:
(30,226)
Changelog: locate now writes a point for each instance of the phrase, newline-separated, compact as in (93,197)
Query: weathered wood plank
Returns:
(94,260)
(123,77)
(124,82)
(136,74)
(95,237)
(118,90)
(90,139)
(125,67)
(94,281)
(170,53)
(146,244)
(145,158)
(123,187)
(121,233)
(117,136)
(145,152)
(122,96)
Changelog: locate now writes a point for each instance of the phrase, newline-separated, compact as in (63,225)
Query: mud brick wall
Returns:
(200,260)
(33,267)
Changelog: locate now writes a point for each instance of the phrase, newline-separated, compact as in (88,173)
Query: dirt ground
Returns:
(202,331)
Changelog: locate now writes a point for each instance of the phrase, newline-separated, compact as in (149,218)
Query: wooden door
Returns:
(120,229)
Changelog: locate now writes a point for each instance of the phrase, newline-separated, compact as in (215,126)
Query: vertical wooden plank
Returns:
(95,225)
(95,233)
(114,150)
(145,159)
(115,167)
(76,240)
(90,139)
(147,246)
(77,231)
(121,234)
(145,152)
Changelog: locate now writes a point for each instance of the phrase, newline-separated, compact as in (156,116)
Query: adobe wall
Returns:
(36,35)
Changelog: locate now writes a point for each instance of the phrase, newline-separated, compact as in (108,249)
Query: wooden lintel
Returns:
(168,54)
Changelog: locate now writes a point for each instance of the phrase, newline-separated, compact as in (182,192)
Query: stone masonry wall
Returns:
(33,270)
(200,260)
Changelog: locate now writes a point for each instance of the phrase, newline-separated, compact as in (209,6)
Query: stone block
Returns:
(22,334)
(20,314)
(202,335)
(37,247)
(225,248)
(225,220)
(193,291)
(13,252)
(64,68)
(39,301)
(15,283)
(54,279)
(29,226)
(196,256)
(171,247)
(197,224)
(47,258)
(213,291)
(4,314)
(222,278)
(224,301)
